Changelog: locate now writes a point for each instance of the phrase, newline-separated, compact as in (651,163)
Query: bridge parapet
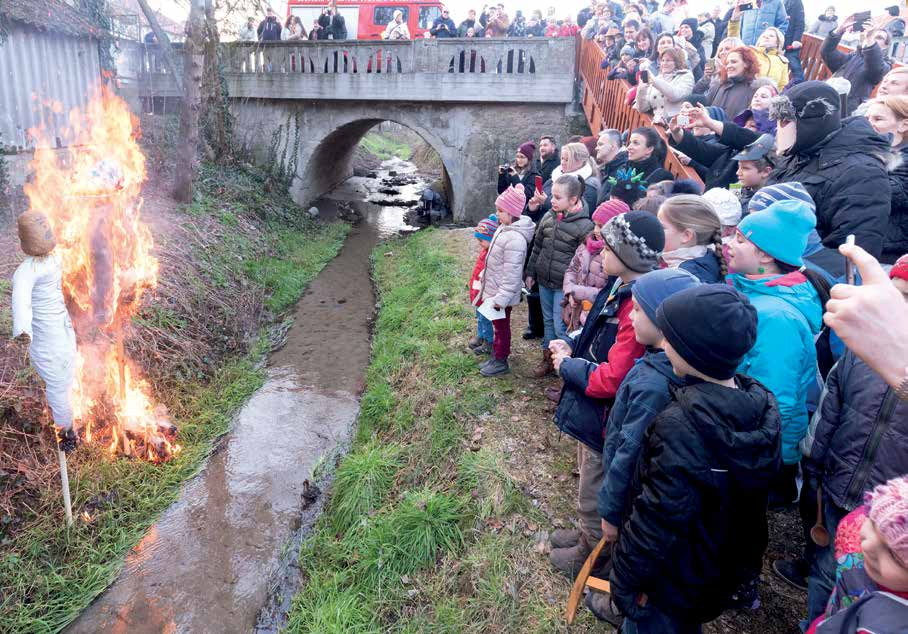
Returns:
(507,70)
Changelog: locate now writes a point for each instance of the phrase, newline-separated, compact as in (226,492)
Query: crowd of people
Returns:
(704,332)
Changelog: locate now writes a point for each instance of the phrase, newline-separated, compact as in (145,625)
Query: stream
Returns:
(223,557)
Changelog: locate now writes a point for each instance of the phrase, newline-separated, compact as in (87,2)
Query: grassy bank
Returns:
(238,256)
(385,146)
(431,525)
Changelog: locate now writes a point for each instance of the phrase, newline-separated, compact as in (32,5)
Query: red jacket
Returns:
(477,271)
(607,377)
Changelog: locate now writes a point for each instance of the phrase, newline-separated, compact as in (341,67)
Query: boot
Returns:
(483,348)
(553,393)
(545,366)
(474,343)
(495,367)
(792,571)
(603,608)
(569,561)
(529,334)
(564,538)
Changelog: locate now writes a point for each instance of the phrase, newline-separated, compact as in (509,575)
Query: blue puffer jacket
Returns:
(784,358)
(706,268)
(643,394)
(755,21)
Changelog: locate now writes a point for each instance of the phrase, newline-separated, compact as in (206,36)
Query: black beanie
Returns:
(815,108)
(711,326)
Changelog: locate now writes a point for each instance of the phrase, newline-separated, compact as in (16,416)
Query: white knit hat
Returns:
(726,204)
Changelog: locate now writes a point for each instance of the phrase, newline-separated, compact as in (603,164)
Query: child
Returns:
(482,343)
(728,208)
(643,394)
(585,277)
(628,186)
(693,237)
(755,165)
(560,232)
(593,368)
(698,516)
(871,591)
(626,68)
(503,272)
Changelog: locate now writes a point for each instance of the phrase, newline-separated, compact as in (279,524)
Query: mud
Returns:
(223,558)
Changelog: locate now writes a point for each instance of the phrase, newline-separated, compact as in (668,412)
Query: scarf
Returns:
(584,172)
(673,259)
(593,245)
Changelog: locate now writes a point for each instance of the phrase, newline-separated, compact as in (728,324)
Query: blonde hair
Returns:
(897,103)
(687,211)
(578,153)
(780,38)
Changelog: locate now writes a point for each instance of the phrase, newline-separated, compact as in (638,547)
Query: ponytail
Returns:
(817,280)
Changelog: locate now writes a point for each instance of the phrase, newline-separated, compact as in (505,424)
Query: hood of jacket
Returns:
(523,225)
(793,289)
(740,426)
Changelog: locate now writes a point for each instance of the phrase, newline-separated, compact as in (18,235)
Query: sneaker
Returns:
(564,537)
(603,608)
(747,595)
(474,343)
(494,367)
(483,348)
(792,571)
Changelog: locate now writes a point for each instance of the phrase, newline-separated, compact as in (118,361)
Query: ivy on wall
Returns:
(98,13)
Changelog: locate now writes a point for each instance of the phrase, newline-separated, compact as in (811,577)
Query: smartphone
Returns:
(683,120)
(538,183)
(859,19)
(746,6)
(849,266)
(644,76)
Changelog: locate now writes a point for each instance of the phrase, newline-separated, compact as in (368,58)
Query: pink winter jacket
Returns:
(583,279)
(502,278)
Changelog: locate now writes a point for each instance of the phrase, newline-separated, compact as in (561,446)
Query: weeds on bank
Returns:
(405,542)
(385,147)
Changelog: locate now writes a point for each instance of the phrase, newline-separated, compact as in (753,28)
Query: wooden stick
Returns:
(64,477)
(581,582)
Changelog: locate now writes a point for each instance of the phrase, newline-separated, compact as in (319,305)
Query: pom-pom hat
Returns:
(512,201)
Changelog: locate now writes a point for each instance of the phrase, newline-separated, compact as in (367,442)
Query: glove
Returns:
(67,440)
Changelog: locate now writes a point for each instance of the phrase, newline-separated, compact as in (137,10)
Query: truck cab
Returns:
(367,19)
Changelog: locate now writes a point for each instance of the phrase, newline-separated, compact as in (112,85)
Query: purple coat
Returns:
(583,279)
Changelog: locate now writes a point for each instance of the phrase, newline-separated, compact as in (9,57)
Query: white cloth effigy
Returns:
(40,311)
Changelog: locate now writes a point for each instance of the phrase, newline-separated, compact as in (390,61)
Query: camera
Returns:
(504,168)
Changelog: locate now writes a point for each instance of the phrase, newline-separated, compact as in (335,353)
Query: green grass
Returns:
(385,147)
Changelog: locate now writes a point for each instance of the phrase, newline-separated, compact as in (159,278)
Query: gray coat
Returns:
(732,95)
(502,278)
(554,246)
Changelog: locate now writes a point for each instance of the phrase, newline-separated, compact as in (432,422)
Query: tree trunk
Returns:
(215,110)
(163,41)
(193,61)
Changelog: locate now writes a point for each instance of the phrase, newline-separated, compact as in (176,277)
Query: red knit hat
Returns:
(608,210)
(900,268)
(512,201)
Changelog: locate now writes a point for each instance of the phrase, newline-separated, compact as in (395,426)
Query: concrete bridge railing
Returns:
(455,70)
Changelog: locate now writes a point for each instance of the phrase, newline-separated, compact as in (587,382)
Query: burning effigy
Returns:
(92,201)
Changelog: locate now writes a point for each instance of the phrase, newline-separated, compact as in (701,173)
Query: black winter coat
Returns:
(338,27)
(554,246)
(652,170)
(864,68)
(795,30)
(528,181)
(896,241)
(609,170)
(548,166)
(716,152)
(846,176)
(859,436)
(698,519)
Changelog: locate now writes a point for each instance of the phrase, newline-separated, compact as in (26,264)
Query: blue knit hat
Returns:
(651,289)
(781,230)
(716,113)
(765,196)
(486,228)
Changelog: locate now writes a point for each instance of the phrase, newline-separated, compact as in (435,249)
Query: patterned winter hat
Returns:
(637,239)
(512,201)
(793,190)
(889,512)
(486,228)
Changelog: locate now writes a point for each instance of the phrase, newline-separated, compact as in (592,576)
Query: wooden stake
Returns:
(64,477)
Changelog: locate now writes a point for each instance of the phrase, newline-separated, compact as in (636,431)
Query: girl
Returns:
(889,116)
(646,155)
(559,234)
(756,117)
(693,237)
(664,93)
(585,277)
(735,88)
(766,255)
(485,230)
(770,55)
(503,271)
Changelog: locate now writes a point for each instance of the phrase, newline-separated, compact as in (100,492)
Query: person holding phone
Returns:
(521,171)
(866,66)
(750,18)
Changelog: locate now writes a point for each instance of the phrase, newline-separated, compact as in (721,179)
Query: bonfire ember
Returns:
(92,199)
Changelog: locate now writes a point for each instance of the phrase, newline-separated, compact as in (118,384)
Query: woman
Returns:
(646,155)
(825,24)
(889,116)
(735,88)
(756,117)
(397,28)
(711,68)
(644,43)
(771,56)
(296,30)
(575,160)
(663,43)
(521,171)
(664,93)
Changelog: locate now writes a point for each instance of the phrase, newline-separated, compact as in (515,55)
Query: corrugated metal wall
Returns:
(38,67)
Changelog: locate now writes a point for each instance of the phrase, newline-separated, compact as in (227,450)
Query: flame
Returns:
(92,198)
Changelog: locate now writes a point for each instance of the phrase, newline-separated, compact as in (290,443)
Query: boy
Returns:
(697,523)
(482,343)
(755,165)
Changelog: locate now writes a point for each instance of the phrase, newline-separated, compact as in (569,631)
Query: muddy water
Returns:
(222,558)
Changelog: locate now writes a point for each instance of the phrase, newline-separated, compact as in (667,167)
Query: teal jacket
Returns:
(784,358)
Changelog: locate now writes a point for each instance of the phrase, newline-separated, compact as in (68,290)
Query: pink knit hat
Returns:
(608,210)
(889,512)
(512,201)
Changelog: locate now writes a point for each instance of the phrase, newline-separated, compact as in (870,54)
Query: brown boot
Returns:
(569,561)
(603,608)
(564,537)
(545,366)
(553,393)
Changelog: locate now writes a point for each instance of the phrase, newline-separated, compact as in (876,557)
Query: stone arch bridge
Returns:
(304,106)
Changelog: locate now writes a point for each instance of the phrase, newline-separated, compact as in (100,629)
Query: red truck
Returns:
(367,19)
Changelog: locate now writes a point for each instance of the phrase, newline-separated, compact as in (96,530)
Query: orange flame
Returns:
(91,196)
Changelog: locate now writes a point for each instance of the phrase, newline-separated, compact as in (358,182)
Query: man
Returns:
(549,158)
(469,23)
(795,11)
(269,29)
(337,28)
(443,26)
(248,32)
(662,21)
(611,157)
(840,163)
(498,22)
(865,67)
(758,17)
(631,28)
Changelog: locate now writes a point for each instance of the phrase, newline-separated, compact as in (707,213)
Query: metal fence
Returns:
(43,75)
